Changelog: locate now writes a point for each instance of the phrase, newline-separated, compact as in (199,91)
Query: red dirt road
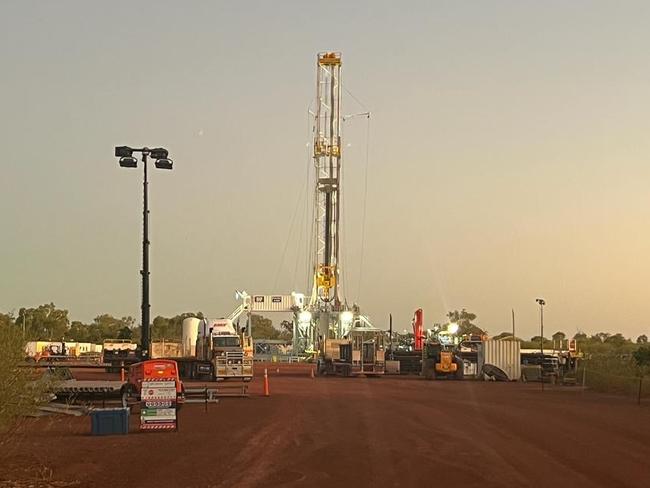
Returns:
(360,432)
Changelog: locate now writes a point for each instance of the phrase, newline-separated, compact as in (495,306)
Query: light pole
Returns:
(541,303)
(162,161)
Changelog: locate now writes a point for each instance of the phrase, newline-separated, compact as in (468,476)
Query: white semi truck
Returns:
(215,350)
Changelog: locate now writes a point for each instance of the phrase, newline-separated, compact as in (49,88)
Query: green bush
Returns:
(616,374)
(22,389)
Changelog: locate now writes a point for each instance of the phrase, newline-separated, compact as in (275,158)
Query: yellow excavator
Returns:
(439,359)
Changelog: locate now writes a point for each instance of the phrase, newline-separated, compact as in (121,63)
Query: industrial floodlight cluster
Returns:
(159,154)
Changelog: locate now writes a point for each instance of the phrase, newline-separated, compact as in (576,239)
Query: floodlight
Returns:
(346,316)
(164,163)
(128,162)
(123,151)
(159,153)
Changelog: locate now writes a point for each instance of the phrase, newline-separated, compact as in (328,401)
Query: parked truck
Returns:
(221,352)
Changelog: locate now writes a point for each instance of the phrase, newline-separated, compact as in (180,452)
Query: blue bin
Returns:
(109,421)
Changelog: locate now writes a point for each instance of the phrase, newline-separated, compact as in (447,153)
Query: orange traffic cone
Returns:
(266,383)
(312,372)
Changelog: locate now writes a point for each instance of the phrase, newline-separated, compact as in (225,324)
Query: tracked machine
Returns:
(440,357)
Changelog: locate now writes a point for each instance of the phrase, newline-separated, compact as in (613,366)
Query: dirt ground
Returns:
(362,432)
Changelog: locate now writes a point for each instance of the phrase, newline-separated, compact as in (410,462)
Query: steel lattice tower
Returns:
(327,162)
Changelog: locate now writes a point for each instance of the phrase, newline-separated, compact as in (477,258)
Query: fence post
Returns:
(584,376)
(638,400)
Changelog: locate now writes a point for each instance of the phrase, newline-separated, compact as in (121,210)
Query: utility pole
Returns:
(513,324)
(541,303)
(145,307)
(390,333)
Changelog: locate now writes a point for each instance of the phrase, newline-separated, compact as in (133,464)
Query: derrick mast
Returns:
(324,314)
(327,162)
(325,296)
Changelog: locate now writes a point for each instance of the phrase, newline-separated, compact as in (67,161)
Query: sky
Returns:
(506,157)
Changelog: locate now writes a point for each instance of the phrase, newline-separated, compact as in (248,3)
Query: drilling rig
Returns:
(343,340)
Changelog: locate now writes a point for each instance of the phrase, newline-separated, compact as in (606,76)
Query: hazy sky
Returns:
(509,156)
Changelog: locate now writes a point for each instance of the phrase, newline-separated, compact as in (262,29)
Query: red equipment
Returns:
(151,370)
(418,330)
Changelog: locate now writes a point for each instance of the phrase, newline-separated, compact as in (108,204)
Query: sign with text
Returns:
(272,303)
(158,405)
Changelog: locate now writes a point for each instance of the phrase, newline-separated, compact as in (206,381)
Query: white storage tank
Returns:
(505,355)
(190,333)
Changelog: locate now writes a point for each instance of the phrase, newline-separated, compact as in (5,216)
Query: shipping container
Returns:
(505,355)
(272,303)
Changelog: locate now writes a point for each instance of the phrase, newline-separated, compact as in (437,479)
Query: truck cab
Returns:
(223,343)
(219,343)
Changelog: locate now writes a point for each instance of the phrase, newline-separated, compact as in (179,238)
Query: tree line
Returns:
(50,323)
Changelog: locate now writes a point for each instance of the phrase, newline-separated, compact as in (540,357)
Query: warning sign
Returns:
(159,414)
(158,390)
(158,405)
